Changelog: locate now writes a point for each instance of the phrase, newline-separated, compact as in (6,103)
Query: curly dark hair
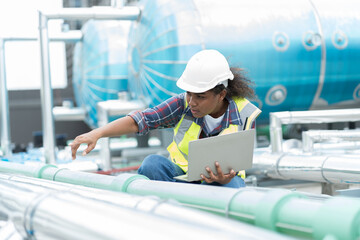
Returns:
(240,86)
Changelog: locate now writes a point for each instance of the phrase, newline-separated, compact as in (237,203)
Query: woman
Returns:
(214,103)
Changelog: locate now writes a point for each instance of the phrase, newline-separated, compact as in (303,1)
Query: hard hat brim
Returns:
(182,83)
(191,88)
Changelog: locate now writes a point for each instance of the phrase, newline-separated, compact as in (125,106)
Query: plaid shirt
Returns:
(169,113)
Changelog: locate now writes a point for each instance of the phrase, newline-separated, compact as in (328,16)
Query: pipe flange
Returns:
(280,41)
(311,40)
(356,94)
(276,95)
(339,39)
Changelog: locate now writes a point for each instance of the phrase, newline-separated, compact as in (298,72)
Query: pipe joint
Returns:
(122,181)
(268,207)
(30,212)
(41,169)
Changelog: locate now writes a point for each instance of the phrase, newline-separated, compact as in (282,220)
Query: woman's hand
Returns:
(90,138)
(220,177)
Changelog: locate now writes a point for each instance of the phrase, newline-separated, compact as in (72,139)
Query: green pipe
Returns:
(279,210)
(51,172)
(275,209)
(27,170)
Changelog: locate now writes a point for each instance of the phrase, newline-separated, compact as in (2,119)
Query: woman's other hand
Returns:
(220,177)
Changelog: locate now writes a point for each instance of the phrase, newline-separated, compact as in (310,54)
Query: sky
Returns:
(20,19)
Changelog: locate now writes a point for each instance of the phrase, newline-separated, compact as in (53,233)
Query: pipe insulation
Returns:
(337,137)
(279,210)
(330,168)
(62,215)
(4,105)
(277,119)
(100,13)
(8,231)
(151,205)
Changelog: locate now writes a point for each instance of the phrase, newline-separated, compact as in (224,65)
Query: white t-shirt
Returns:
(211,123)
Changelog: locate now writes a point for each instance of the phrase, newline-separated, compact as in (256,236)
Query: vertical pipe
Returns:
(4,107)
(307,142)
(46,93)
(117,3)
(105,152)
(275,133)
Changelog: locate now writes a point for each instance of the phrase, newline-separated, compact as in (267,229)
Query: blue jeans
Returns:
(157,167)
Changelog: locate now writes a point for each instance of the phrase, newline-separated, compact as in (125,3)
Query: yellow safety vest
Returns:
(187,130)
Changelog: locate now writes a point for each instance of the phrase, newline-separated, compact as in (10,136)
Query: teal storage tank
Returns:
(300,54)
(100,68)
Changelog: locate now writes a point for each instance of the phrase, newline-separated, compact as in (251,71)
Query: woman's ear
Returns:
(223,94)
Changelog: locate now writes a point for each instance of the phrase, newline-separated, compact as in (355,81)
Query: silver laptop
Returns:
(232,151)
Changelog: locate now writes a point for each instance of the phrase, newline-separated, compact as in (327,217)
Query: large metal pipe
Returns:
(51,210)
(125,13)
(277,119)
(8,231)
(328,168)
(279,210)
(338,136)
(4,105)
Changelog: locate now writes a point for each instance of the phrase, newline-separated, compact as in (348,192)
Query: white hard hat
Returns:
(204,71)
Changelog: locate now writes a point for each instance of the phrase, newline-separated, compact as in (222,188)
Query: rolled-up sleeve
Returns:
(165,115)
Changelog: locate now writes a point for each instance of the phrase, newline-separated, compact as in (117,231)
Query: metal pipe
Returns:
(312,136)
(125,13)
(4,106)
(8,232)
(107,109)
(344,147)
(38,200)
(330,168)
(320,116)
(46,93)
(69,113)
(117,3)
(279,210)
(69,36)
(100,13)
(152,205)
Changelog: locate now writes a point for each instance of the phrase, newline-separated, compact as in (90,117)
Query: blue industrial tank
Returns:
(100,68)
(300,54)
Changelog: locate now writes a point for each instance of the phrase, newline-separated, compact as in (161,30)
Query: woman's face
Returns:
(205,103)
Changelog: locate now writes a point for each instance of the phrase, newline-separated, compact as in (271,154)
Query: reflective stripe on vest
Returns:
(187,130)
